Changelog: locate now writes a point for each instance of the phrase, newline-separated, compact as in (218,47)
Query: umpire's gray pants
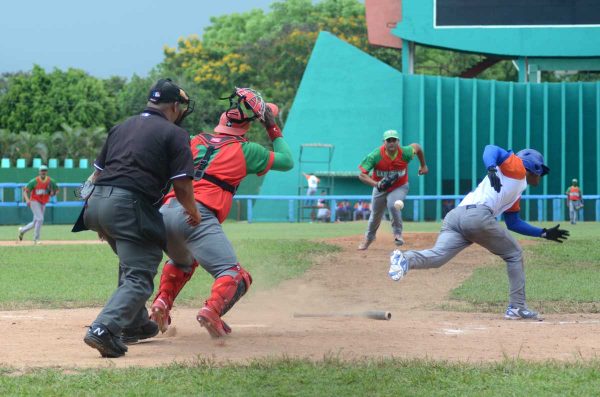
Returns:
(379,202)
(114,213)
(37,209)
(475,224)
(206,242)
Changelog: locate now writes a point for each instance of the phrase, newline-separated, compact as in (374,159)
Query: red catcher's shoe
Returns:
(160,314)
(210,320)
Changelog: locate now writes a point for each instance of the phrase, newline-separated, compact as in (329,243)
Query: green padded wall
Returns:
(348,98)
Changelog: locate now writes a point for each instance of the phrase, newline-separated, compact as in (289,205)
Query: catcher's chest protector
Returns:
(227,167)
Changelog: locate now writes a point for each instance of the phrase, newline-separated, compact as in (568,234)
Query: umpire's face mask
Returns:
(184,100)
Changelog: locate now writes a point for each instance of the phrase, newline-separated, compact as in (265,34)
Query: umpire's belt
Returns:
(107,191)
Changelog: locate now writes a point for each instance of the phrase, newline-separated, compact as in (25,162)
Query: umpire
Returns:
(140,159)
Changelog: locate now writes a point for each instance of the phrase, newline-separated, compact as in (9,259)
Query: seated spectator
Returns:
(323,213)
(344,211)
(362,210)
(447,206)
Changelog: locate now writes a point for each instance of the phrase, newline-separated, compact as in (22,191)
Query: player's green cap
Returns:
(391,134)
(43,168)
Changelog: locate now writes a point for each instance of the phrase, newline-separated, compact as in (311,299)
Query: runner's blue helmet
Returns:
(533,161)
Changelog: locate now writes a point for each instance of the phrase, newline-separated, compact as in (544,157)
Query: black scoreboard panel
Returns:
(462,13)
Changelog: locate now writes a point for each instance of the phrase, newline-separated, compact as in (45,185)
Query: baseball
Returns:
(399,204)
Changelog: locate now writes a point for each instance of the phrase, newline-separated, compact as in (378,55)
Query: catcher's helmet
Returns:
(249,103)
(533,161)
(234,122)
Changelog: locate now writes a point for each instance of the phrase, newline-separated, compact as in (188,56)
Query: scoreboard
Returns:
(516,13)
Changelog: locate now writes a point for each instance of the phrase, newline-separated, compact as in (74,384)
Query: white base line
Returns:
(13,316)
(248,325)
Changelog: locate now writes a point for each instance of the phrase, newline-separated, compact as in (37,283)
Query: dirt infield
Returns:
(350,281)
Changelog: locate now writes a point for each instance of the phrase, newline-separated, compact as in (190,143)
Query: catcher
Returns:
(222,160)
(389,180)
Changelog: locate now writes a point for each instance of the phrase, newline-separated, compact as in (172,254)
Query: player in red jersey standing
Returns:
(42,187)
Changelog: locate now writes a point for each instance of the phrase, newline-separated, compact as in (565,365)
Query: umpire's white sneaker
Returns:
(398,265)
(519,313)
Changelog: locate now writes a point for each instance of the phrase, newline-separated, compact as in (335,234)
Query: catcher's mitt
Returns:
(387,182)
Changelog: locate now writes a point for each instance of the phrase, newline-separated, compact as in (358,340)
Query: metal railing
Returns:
(54,201)
(557,202)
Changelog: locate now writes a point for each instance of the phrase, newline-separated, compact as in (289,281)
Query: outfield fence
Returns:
(296,204)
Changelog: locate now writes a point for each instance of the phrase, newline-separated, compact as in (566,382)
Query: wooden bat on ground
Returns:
(372,314)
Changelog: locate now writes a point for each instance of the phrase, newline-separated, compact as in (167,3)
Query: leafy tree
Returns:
(132,98)
(40,102)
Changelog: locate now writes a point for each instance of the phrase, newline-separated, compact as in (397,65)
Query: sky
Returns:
(104,38)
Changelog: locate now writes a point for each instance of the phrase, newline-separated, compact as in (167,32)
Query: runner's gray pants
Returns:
(379,202)
(475,224)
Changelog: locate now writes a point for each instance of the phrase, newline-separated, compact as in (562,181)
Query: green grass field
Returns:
(241,230)
(560,278)
(330,377)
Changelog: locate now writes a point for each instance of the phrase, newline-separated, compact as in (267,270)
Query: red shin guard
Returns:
(228,289)
(172,281)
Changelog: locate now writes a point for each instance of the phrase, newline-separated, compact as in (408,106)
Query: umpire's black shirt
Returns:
(144,154)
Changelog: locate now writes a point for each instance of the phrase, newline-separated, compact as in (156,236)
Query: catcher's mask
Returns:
(165,91)
(248,103)
(533,161)
(232,122)
(235,122)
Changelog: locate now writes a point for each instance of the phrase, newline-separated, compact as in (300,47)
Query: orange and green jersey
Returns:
(573,193)
(230,163)
(383,165)
(41,189)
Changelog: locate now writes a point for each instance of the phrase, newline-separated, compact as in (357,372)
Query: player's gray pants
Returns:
(379,202)
(134,231)
(475,224)
(38,219)
(573,211)
(206,242)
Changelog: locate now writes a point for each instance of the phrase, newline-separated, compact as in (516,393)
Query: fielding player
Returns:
(574,200)
(389,180)
(222,160)
(42,187)
(474,221)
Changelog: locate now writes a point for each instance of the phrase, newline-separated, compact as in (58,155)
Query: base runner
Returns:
(222,161)
(474,221)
